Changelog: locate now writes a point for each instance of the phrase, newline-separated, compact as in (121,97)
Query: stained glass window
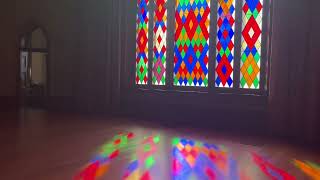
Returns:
(142,42)
(225,43)
(251,44)
(191,48)
(159,43)
(190,67)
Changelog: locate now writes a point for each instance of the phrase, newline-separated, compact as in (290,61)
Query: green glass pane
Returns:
(250,70)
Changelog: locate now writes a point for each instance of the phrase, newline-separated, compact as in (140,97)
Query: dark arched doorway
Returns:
(33,68)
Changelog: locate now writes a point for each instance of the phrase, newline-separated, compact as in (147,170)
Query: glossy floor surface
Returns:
(40,145)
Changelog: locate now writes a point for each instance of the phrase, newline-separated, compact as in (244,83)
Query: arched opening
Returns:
(33,68)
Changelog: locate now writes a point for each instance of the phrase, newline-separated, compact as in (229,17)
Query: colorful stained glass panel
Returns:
(159,43)
(225,43)
(191,50)
(142,42)
(251,44)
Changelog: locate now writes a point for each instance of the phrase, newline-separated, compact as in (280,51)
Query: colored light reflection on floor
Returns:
(197,160)
(309,168)
(99,165)
(134,157)
(144,160)
(270,170)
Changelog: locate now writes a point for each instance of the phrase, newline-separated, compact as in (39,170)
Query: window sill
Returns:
(200,99)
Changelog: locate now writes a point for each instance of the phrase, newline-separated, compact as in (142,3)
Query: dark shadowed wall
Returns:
(8,56)
(79,55)
(295,71)
(92,54)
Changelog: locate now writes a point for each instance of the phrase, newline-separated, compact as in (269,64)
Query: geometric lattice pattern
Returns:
(191,49)
(225,43)
(196,160)
(159,43)
(251,44)
(142,42)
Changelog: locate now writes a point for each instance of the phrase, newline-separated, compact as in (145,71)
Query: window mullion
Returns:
(151,9)
(237,42)
(265,45)
(212,45)
(170,42)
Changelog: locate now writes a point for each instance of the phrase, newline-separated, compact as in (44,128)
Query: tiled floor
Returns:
(39,145)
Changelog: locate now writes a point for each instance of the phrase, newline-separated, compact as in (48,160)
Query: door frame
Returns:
(26,31)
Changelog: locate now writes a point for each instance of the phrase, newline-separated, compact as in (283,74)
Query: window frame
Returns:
(211,88)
